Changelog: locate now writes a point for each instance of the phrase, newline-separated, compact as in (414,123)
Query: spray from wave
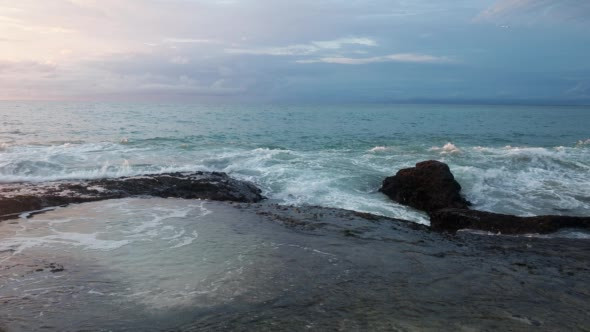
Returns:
(448,148)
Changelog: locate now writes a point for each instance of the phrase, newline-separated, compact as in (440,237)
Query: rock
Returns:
(429,186)
(453,219)
(54,267)
(23,197)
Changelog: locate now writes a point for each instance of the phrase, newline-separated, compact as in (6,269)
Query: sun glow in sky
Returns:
(304,50)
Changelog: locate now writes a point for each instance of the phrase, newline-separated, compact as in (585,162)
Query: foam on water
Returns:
(446,149)
(515,160)
(563,233)
(163,253)
(381,149)
(146,223)
(243,264)
(509,179)
(527,180)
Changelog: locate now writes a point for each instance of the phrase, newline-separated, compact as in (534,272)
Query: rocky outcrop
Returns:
(22,197)
(429,186)
(452,220)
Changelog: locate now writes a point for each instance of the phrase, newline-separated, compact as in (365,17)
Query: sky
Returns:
(515,51)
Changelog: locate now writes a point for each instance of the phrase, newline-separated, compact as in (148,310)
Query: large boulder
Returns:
(24,197)
(452,220)
(429,186)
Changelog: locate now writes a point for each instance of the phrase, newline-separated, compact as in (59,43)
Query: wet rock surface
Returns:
(428,187)
(455,219)
(298,268)
(398,275)
(17,198)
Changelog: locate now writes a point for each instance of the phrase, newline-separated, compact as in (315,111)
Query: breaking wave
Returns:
(446,149)
(509,179)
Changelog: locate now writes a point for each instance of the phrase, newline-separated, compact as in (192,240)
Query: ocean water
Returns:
(153,264)
(522,160)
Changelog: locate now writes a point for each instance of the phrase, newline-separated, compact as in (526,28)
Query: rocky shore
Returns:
(265,267)
(431,187)
(291,268)
(18,198)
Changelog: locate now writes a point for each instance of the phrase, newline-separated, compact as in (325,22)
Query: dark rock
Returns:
(452,220)
(24,197)
(429,186)
(54,267)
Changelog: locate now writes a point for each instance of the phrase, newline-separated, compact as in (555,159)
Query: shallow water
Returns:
(522,160)
(170,264)
(137,263)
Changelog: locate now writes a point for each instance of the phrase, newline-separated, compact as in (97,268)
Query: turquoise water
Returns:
(512,159)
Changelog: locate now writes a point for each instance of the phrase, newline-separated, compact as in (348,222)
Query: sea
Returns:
(154,264)
(523,160)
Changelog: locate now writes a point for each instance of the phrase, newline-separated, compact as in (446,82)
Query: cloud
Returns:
(257,48)
(398,57)
(29,67)
(184,84)
(339,43)
(14,23)
(180,60)
(580,89)
(190,41)
(30,80)
(305,49)
(299,49)
(533,11)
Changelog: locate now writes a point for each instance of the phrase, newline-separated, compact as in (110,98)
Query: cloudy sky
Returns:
(296,50)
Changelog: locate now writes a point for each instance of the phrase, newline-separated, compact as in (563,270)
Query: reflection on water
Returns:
(136,258)
(168,264)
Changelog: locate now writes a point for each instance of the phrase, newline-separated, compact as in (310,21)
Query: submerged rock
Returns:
(429,186)
(455,219)
(22,197)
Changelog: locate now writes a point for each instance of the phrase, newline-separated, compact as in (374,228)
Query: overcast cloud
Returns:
(304,50)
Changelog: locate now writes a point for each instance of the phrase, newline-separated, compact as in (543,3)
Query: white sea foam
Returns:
(19,244)
(154,222)
(448,148)
(380,149)
(564,233)
(27,214)
(511,178)
(527,180)
(107,170)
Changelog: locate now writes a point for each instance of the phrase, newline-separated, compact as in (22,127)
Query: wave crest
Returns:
(448,148)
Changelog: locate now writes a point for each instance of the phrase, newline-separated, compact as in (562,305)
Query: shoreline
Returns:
(299,266)
(429,187)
